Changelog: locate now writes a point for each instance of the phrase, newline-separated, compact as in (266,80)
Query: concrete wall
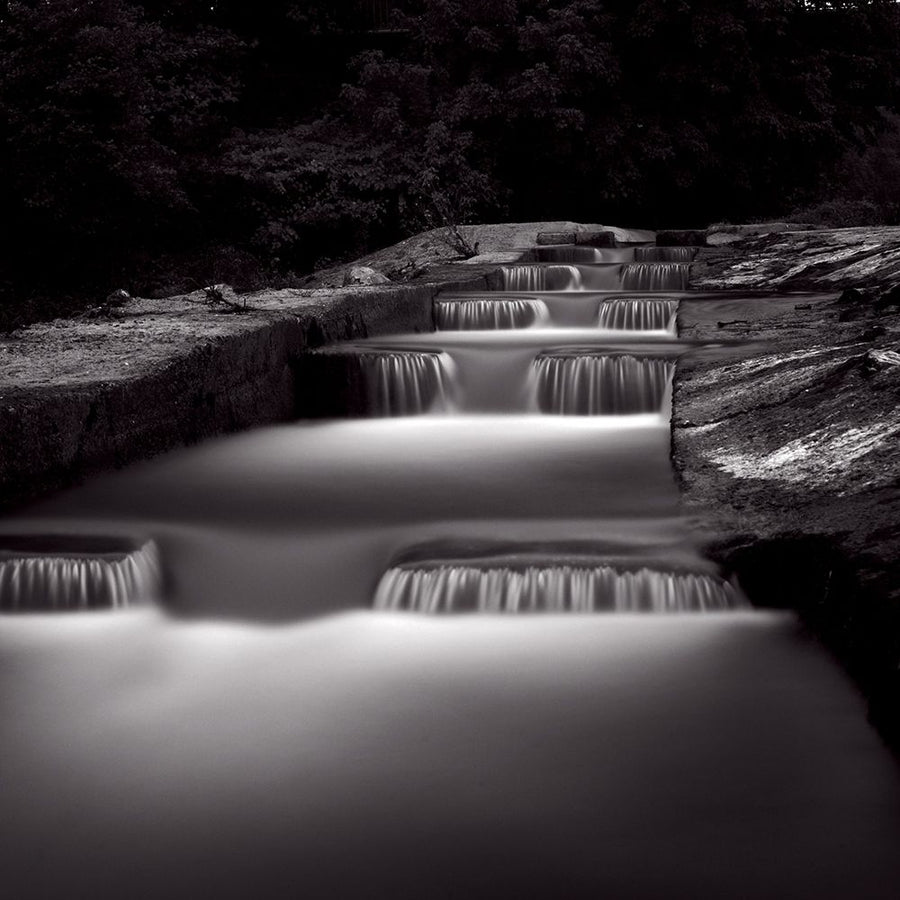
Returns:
(78,397)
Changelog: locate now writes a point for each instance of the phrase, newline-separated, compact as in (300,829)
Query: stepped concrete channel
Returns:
(461,629)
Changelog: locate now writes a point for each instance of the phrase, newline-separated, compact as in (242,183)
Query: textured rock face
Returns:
(552,238)
(803,260)
(77,396)
(365,275)
(787,447)
(717,235)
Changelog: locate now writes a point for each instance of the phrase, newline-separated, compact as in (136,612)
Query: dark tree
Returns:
(107,117)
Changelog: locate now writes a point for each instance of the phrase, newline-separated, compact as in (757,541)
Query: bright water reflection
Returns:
(374,756)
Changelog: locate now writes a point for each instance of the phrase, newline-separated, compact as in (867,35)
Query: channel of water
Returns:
(462,646)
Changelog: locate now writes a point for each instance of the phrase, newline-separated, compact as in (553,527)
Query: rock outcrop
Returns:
(786,439)
(365,275)
(828,260)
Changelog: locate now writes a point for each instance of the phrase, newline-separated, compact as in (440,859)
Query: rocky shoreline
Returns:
(785,441)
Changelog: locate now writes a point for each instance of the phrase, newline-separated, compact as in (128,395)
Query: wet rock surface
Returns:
(825,260)
(786,439)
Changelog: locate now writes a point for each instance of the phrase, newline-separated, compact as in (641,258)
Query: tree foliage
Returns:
(654,111)
(291,133)
(107,118)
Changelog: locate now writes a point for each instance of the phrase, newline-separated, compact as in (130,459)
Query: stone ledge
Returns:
(81,395)
(823,260)
(786,449)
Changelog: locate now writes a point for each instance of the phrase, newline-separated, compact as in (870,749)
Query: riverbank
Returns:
(787,452)
(81,395)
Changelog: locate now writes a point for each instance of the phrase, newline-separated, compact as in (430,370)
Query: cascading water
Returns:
(541,278)
(33,582)
(656,276)
(664,254)
(590,385)
(551,589)
(467,733)
(406,383)
(642,314)
(482,314)
(567,253)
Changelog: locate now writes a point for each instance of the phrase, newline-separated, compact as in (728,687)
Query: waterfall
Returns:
(584,385)
(664,254)
(639,315)
(656,276)
(567,253)
(555,588)
(405,383)
(35,582)
(468,315)
(541,278)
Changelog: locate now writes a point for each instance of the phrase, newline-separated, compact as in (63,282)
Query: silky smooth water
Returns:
(665,276)
(30,582)
(643,314)
(541,278)
(588,385)
(664,254)
(405,383)
(294,718)
(489,314)
(555,587)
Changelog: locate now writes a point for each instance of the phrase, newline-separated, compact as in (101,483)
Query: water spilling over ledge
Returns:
(567,253)
(551,589)
(68,573)
(656,276)
(406,383)
(638,315)
(664,254)
(470,732)
(592,385)
(541,278)
(484,314)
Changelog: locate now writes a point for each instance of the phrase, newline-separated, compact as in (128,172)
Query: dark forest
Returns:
(161,146)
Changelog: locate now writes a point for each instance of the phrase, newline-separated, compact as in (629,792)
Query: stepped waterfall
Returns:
(59,580)
(406,383)
(656,276)
(475,315)
(568,254)
(602,385)
(644,314)
(664,254)
(447,634)
(549,277)
(551,589)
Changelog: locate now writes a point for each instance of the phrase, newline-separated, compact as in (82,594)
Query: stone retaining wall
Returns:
(79,396)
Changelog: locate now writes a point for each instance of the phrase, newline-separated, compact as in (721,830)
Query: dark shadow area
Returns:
(840,602)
